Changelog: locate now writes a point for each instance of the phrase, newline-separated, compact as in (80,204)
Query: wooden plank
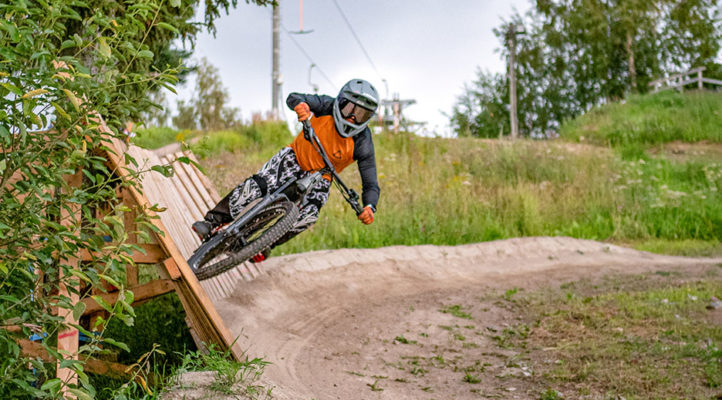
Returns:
(189,195)
(198,187)
(205,181)
(195,211)
(92,365)
(677,76)
(177,218)
(149,254)
(172,268)
(712,81)
(67,343)
(140,293)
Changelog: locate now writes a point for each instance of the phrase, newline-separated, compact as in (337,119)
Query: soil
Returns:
(376,323)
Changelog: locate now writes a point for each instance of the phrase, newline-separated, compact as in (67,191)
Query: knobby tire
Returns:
(218,244)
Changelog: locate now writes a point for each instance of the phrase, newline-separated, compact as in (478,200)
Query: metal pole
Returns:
(511,36)
(275,91)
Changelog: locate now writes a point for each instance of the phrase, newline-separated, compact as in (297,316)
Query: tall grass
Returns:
(454,191)
(651,119)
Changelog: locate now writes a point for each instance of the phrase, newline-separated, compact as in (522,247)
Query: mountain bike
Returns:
(266,220)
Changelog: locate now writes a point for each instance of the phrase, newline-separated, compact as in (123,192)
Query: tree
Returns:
(576,54)
(208,109)
(71,74)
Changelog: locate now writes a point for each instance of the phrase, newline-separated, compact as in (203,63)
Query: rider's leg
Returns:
(276,171)
(310,207)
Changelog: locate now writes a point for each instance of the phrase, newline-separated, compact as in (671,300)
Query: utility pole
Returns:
(275,75)
(511,38)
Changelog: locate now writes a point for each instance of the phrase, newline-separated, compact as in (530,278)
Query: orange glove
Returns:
(367,216)
(303,111)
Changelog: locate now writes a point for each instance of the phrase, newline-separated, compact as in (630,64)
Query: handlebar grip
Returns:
(307,129)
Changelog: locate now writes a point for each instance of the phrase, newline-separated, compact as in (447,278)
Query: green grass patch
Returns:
(156,137)
(651,119)
(457,311)
(644,338)
(261,139)
(684,247)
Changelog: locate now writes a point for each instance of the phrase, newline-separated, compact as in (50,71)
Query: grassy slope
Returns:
(454,191)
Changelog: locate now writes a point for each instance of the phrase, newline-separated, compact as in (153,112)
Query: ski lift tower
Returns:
(393,112)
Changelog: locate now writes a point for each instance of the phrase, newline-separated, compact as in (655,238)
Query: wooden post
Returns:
(68,338)
(699,79)
(511,38)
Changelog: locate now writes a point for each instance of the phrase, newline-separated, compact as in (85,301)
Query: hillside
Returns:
(646,173)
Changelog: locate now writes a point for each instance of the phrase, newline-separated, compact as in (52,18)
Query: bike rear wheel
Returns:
(222,252)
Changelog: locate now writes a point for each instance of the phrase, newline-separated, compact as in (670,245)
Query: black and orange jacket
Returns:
(341,151)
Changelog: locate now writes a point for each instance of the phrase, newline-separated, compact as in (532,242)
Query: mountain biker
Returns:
(341,124)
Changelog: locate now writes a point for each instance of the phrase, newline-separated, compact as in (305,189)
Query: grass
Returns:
(456,191)
(651,119)
(644,338)
(156,137)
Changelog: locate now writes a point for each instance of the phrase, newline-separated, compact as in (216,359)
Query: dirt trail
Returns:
(327,320)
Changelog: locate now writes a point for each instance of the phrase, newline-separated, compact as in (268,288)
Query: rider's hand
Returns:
(303,111)
(367,216)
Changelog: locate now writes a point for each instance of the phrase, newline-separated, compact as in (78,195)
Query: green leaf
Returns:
(78,310)
(167,26)
(60,111)
(73,99)
(106,306)
(103,47)
(165,170)
(52,385)
(14,89)
(175,3)
(33,93)
(80,394)
(116,343)
(145,54)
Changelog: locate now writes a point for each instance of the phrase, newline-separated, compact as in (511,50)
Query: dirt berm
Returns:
(333,323)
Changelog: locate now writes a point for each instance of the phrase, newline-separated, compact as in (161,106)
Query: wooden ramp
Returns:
(187,195)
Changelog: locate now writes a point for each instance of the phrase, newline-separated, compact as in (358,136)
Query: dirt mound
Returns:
(334,323)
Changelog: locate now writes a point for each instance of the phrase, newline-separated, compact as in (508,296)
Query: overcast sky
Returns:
(425,50)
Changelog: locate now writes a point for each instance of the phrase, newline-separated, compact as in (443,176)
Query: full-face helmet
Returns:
(354,106)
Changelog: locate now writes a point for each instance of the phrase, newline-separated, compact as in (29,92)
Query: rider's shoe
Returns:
(203,228)
(261,256)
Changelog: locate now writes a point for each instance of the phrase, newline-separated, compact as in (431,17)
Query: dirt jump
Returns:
(337,324)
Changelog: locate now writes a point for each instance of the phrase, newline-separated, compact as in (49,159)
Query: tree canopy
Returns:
(575,54)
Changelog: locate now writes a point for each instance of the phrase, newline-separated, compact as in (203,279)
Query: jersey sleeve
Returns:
(319,105)
(365,157)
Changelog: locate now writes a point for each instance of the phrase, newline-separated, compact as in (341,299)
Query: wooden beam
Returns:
(140,293)
(151,254)
(92,365)
(172,268)
(68,337)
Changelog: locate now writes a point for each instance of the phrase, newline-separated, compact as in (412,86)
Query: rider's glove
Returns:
(367,216)
(303,111)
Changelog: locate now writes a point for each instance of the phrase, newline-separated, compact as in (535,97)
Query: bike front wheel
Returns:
(223,252)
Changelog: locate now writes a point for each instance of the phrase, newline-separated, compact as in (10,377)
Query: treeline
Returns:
(574,54)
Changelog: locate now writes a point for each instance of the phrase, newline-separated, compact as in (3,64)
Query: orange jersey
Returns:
(339,149)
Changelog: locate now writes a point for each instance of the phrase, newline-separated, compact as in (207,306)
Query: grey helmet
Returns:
(357,100)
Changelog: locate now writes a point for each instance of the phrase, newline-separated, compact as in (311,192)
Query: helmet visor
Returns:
(359,114)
